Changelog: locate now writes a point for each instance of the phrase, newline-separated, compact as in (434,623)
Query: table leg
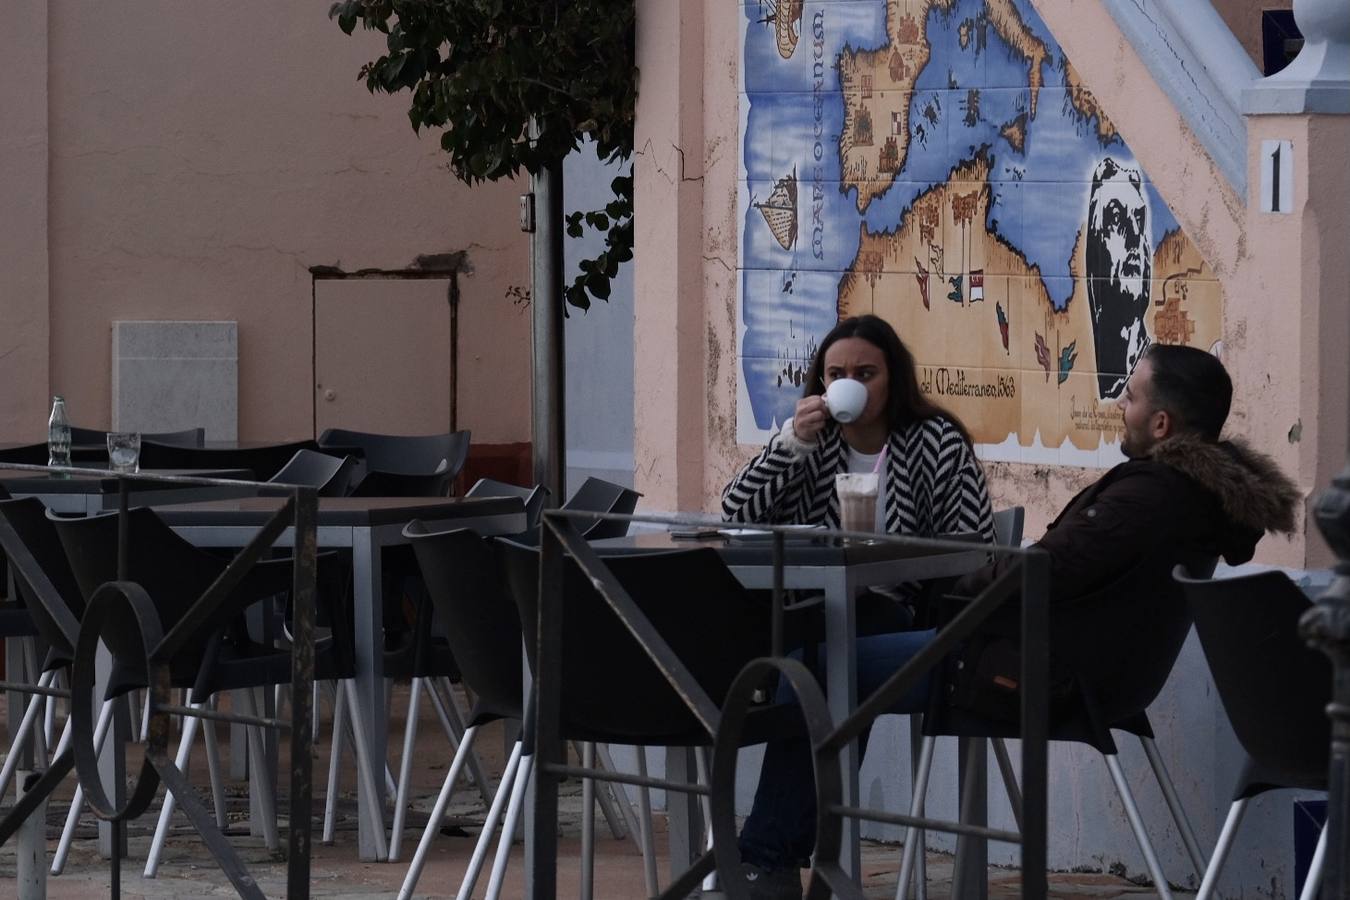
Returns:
(238,740)
(263,773)
(369,617)
(972,854)
(684,819)
(841,690)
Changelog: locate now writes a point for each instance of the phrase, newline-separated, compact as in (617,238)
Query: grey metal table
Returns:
(840,573)
(95,494)
(365,525)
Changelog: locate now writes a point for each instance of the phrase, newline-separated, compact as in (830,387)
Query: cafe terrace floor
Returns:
(188,870)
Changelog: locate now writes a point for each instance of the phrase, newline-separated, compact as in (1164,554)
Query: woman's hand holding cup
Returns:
(843,401)
(809,418)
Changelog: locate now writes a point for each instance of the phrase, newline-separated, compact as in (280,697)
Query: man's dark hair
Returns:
(907,402)
(1192,386)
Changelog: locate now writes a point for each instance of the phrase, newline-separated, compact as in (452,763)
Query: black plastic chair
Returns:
(15,620)
(332,475)
(264,461)
(598,495)
(533,498)
(680,593)
(475,593)
(1275,690)
(463,578)
(188,437)
(49,605)
(1008,526)
(1117,657)
(219,656)
(44,577)
(25,455)
(404,465)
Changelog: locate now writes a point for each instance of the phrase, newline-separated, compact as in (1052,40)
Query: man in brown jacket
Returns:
(1181,492)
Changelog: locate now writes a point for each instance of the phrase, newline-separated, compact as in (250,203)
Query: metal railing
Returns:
(1326,626)
(1028,573)
(120,614)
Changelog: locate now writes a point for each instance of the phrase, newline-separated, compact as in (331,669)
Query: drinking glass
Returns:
(124,451)
(857,493)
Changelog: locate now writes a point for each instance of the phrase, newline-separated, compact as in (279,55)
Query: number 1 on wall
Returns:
(1277,176)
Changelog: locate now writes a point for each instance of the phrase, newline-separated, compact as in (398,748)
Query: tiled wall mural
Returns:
(939,163)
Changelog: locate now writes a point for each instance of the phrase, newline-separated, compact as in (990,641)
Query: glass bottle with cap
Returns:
(58,434)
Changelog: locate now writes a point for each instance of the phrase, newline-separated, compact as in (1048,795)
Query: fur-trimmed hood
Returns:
(1250,487)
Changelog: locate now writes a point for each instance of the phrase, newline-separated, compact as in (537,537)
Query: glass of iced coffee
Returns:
(857,493)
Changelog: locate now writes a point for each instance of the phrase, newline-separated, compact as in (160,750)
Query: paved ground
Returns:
(188,870)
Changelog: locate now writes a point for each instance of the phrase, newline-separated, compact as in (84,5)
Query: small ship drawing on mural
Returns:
(780,211)
(786,18)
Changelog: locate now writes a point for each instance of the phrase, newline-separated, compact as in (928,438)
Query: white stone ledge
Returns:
(1202,68)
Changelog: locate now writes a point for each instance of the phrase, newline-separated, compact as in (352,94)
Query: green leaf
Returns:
(598,285)
(484,69)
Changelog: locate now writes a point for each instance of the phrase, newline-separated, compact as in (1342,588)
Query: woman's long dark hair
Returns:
(905,403)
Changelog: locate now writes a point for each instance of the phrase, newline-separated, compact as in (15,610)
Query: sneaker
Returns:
(772,884)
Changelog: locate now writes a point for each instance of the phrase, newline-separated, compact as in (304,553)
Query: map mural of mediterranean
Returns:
(939,163)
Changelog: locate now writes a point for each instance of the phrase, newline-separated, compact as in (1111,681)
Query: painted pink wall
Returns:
(669,386)
(202,157)
(23,222)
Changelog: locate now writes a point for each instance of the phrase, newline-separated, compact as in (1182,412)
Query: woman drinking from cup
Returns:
(862,413)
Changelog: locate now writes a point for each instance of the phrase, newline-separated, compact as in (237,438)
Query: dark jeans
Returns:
(781,829)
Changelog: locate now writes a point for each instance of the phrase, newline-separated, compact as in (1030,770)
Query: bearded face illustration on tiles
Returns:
(1119,267)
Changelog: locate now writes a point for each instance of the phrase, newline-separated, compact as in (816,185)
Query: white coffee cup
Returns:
(845,399)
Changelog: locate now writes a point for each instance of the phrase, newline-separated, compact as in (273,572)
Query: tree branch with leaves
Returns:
(481,70)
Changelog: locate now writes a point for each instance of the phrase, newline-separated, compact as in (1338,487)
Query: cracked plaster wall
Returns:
(203,157)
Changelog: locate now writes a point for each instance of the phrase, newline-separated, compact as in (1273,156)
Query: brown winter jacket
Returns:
(1188,498)
(1112,551)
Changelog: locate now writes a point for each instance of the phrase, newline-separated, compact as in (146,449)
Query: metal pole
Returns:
(31,853)
(546,264)
(1327,627)
(304,592)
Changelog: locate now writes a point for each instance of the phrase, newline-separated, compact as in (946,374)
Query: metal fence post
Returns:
(31,853)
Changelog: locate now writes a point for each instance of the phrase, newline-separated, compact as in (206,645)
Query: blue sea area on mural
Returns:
(801,223)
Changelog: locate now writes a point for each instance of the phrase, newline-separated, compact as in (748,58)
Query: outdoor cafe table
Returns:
(838,571)
(365,525)
(98,492)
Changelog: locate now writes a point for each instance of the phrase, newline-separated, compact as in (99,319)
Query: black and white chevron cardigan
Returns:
(934,485)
